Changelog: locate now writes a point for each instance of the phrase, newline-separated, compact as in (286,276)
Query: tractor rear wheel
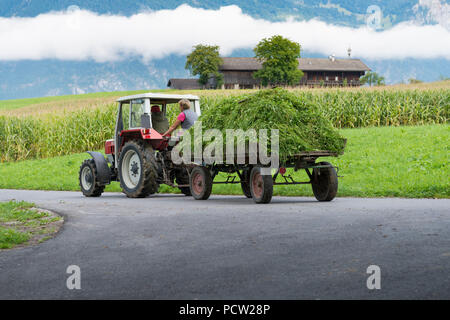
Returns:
(324,182)
(261,186)
(138,170)
(245,183)
(182,177)
(88,179)
(201,183)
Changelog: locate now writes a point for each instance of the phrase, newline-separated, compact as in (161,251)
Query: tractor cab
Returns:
(147,116)
(139,155)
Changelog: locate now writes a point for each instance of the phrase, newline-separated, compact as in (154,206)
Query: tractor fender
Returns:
(103,171)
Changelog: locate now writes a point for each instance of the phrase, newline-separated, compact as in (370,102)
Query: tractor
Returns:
(138,156)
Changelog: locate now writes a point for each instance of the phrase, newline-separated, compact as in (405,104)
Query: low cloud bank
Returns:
(84,35)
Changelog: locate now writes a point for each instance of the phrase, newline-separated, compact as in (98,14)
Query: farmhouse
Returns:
(238,73)
(184,84)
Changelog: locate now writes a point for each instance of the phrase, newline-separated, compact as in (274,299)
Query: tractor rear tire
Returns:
(261,186)
(138,170)
(182,177)
(324,182)
(88,179)
(201,183)
(245,183)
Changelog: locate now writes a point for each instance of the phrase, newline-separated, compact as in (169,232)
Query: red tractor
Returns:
(138,156)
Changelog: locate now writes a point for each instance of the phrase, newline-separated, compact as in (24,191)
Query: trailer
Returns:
(323,177)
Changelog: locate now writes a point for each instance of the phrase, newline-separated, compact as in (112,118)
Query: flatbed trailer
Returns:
(322,177)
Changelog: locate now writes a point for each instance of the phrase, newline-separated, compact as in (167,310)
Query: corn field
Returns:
(26,138)
(363,108)
(382,108)
(87,129)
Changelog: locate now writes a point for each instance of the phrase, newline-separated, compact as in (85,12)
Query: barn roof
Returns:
(240,64)
(184,84)
(326,64)
(305,64)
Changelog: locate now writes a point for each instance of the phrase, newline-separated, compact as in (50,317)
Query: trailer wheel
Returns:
(138,170)
(88,179)
(261,186)
(182,177)
(201,183)
(324,182)
(245,183)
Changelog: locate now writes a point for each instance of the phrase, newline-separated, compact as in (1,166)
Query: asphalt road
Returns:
(173,247)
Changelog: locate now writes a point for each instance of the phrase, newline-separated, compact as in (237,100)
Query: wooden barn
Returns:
(238,73)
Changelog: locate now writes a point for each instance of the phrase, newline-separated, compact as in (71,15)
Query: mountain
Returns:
(23,78)
(345,12)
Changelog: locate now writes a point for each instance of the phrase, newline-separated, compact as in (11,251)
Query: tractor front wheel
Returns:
(88,179)
(201,183)
(138,170)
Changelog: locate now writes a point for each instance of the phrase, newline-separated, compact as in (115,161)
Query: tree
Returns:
(278,56)
(380,81)
(204,61)
(372,78)
(414,81)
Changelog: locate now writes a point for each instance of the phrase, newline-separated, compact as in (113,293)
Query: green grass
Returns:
(409,161)
(11,237)
(20,223)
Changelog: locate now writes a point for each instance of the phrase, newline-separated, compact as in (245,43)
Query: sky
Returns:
(79,35)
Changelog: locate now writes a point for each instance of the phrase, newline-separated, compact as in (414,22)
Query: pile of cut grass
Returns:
(301,125)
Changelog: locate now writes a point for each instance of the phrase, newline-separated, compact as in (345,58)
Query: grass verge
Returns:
(410,161)
(22,224)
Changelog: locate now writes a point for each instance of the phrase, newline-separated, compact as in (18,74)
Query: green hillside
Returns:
(6,105)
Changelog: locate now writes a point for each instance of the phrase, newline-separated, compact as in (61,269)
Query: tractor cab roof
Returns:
(159,97)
